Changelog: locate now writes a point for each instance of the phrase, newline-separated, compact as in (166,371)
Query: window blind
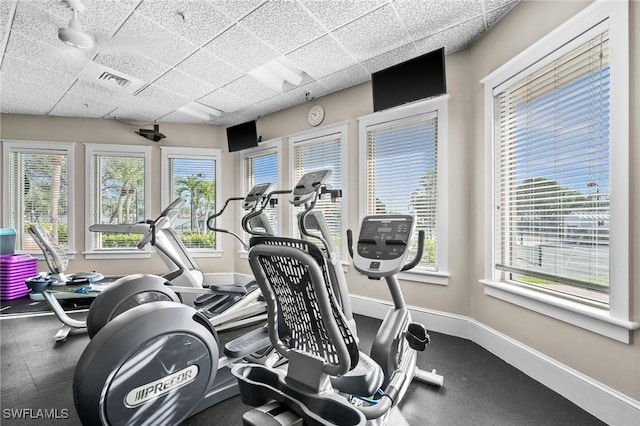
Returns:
(194,180)
(262,168)
(552,174)
(38,194)
(319,154)
(402,174)
(117,197)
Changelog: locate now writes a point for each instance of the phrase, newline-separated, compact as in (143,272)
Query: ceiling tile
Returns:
(494,15)
(315,89)
(454,38)
(498,4)
(198,21)
(247,53)
(83,92)
(333,14)
(16,102)
(133,112)
(282,25)
(6,9)
(373,34)
(37,24)
(266,106)
(396,56)
(205,66)
(181,117)
(250,89)
(224,101)
(237,9)
(157,95)
(427,17)
(346,78)
(133,64)
(321,57)
(152,40)
(16,91)
(64,59)
(183,84)
(56,82)
(71,106)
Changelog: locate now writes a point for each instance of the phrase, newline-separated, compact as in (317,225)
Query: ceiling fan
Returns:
(73,35)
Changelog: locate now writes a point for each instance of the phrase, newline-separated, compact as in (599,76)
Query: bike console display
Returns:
(307,186)
(383,244)
(254,195)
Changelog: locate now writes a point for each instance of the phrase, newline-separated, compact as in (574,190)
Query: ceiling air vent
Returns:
(110,78)
(114,79)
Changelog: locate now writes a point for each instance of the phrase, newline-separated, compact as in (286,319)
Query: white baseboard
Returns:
(603,402)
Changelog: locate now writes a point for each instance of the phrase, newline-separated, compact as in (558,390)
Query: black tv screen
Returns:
(242,136)
(418,78)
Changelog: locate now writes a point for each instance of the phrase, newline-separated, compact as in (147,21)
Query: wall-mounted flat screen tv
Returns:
(418,78)
(242,136)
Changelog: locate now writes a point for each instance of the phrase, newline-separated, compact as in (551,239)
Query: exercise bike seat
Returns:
(363,380)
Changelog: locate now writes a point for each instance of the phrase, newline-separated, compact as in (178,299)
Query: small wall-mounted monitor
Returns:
(418,78)
(242,136)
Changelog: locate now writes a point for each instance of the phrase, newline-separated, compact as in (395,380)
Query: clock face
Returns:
(316,115)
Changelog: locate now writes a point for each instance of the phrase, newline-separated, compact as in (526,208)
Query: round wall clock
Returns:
(316,115)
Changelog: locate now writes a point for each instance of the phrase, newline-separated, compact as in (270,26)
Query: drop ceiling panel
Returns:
(183,84)
(205,66)
(203,50)
(387,59)
(198,22)
(282,25)
(133,64)
(250,89)
(321,57)
(248,51)
(373,34)
(224,101)
(333,14)
(150,39)
(456,38)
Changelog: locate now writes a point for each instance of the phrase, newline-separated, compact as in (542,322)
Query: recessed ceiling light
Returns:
(199,110)
(278,72)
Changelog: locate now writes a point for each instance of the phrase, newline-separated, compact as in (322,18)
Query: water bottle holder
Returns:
(417,336)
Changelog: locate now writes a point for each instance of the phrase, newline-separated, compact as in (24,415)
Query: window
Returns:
(318,149)
(192,174)
(118,187)
(38,188)
(557,122)
(403,157)
(262,165)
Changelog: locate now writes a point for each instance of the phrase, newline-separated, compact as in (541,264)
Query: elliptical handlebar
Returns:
(218,213)
(259,210)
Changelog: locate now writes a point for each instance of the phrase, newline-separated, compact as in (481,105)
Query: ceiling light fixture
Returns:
(73,35)
(279,72)
(196,109)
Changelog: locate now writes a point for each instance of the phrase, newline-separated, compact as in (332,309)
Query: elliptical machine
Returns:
(160,363)
(329,381)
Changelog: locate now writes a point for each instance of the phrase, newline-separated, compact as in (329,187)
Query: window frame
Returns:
(45,147)
(136,151)
(320,134)
(169,152)
(405,113)
(613,322)
(265,148)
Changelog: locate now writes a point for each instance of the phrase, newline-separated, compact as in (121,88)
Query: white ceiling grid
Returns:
(203,50)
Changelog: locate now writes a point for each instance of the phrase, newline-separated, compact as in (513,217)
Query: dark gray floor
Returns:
(480,389)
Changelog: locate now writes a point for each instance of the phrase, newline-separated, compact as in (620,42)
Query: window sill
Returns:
(205,253)
(591,318)
(425,276)
(117,254)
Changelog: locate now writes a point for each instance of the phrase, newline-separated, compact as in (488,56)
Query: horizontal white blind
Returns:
(38,194)
(117,197)
(322,154)
(552,174)
(402,174)
(262,168)
(194,180)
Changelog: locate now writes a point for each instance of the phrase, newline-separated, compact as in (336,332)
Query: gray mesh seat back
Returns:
(55,256)
(303,312)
